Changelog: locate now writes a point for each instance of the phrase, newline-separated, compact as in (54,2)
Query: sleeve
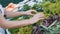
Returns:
(1,33)
(1,10)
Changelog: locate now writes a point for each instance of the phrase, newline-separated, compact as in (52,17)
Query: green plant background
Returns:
(49,6)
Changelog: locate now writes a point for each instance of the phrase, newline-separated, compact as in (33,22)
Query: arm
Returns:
(14,24)
(14,14)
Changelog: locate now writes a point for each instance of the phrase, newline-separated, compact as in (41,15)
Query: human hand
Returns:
(37,17)
(11,7)
(30,12)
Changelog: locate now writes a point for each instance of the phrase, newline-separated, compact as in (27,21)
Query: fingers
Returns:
(32,11)
(11,7)
(42,18)
(16,5)
(39,15)
(31,14)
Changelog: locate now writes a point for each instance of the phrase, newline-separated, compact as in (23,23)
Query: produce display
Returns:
(48,26)
(51,23)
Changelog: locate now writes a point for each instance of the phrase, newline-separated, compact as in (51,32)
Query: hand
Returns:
(30,12)
(11,7)
(37,17)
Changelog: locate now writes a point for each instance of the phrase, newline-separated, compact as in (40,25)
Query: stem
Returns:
(52,23)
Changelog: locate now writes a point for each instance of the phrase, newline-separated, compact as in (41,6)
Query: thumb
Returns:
(32,14)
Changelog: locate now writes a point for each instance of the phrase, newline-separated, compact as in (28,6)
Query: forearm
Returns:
(14,14)
(15,24)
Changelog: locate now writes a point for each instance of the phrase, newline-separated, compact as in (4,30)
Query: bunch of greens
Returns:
(54,28)
(49,7)
(49,26)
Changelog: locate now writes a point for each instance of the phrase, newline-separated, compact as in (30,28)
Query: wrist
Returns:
(33,20)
